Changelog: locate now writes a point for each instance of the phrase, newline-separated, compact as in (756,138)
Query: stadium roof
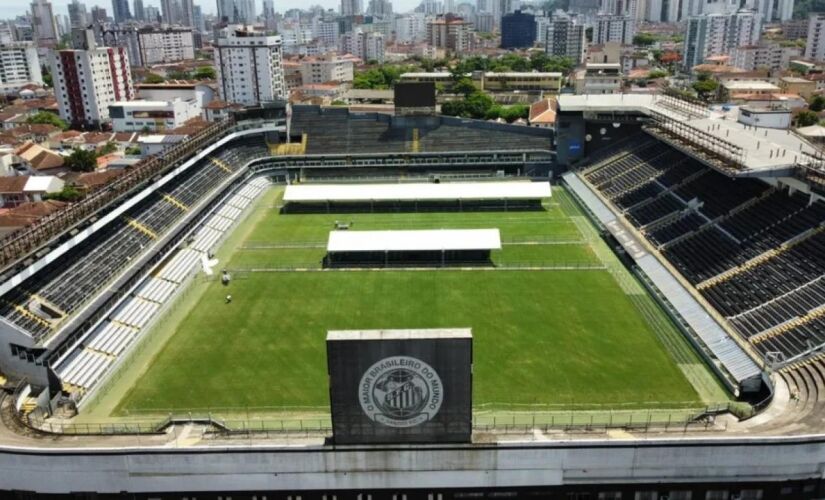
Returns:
(418,191)
(423,333)
(765,149)
(414,240)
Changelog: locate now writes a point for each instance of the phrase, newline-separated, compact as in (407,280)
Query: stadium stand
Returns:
(63,288)
(755,251)
(336,131)
(84,367)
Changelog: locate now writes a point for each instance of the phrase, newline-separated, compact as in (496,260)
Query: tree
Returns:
(477,104)
(806,119)
(817,103)
(464,86)
(47,79)
(205,73)
(153,78)
(132,151)
(644,39)
(705,88)
(453,108)
(514,112)
(178,75)
(338,102)
(109,147)
(44,117)
(82,160)
(68,193)
(657,73)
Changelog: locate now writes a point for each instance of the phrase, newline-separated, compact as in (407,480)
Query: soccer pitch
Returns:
(558,324)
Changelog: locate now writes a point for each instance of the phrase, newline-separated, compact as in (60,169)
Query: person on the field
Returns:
(228,299)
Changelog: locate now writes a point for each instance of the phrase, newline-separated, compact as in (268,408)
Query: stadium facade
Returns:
(722,221)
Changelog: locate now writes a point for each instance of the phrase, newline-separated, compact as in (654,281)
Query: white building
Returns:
(365,46)
(43,22)
(614,28)
(249,66)
(322,70)
(717,34)
(165,45)
(772,56)
(565,38)
(19,65)
(601,78)
(155,116)
(87,81)
(815,44)
(410,28)
(293,39)
(325,30)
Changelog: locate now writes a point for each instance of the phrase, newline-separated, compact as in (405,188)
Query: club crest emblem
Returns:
(400,391)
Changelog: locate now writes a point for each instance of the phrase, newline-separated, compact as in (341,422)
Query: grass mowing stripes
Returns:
(566,338)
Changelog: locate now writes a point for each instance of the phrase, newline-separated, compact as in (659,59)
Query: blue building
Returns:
(518,30)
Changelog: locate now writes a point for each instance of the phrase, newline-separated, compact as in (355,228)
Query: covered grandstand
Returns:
(513,195)
(336,130)
(442,247)
(750,248)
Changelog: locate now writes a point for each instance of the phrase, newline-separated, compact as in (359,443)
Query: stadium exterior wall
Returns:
(461,466)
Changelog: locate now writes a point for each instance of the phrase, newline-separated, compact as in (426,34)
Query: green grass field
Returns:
(573,335)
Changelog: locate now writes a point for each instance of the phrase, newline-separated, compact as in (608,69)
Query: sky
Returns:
(12,8)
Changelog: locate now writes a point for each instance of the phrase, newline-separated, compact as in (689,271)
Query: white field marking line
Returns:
(583,267)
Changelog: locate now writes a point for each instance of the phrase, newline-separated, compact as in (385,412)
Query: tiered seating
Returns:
(332,130)
(679,227)
(767,212)
(756,253)
(71,281)
(703,255)
(642,193)
(719,193)
(84,367)
(655,210)
(771,314)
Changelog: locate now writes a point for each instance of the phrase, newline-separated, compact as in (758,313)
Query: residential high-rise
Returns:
(367,46)
(78,17)
(717,34)
(19,65)
(352,7)
(518,30)
(88,80)
(268,13)
(44,24)
(99,15)
(178,12)
(380,8)
(198,19)
(120,10)
(773,56)
(484,22)
(140,13)
(565,37)
(815,43)
(151,13)
(169,44)
(451,33)
(249,66)
(410,28)
(614,28)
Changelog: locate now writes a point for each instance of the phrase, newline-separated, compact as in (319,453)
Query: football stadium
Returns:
(307,302)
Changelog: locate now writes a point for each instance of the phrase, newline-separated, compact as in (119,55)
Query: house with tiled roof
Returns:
(18,189)
(27,213)
(217,110)
(37,159)
(543,113)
